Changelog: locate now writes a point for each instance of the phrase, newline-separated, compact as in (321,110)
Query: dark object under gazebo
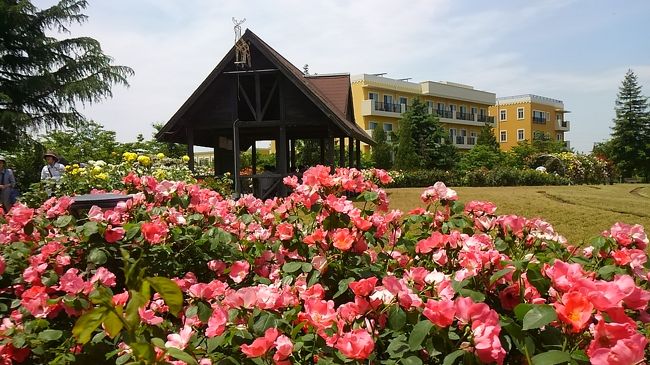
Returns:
(255,94)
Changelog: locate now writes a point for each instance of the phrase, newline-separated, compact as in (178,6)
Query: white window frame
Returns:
(387,124)
(375,94)
(559,136)
(440,106)
(523,115)
(403,97)
(473,110)
(523,134)
(453,107)
(386,97)
(372,125)
(503,136)
(503,115)
(481,112)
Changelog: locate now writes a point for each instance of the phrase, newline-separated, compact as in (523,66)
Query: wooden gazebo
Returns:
(262,96)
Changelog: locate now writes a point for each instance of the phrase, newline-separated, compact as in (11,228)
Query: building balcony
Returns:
(377,108)
(562,125)
(539,120)
(456,117)
(389,134)
(464,143)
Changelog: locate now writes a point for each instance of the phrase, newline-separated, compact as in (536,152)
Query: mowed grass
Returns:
(577,212)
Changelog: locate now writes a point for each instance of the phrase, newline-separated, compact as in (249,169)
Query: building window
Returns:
(520,113)
(452,108)
(502,115)
(559,136)
(372,125)
(473,110)
(520,134)
(373,96)
(388,99)
(429,104)
(539,117)
(504,136)
(481,112)
(452,134)
(388,127)
(403,100)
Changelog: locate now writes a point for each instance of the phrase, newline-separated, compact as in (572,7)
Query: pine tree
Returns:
(42,78)
(381,151)
(631,131)
(406,158)
(429,144)
(486,137)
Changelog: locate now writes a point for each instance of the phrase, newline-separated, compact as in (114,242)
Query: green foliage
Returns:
(42,77)
(87,142)
(308,152)
(481,157)
(422,141)
(487,138)
(381,152)
(508,176)
(152,146)
(630,143)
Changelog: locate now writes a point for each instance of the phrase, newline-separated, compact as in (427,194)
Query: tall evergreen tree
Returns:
(429,141)
(631,131)
(43,78)
(381,151)
(486,137)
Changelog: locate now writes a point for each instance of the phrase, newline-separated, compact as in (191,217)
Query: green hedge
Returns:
(482,177)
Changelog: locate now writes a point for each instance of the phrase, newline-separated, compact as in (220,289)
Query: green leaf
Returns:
(204,311)
(63,221)
(112,324)
(521,310)
(396,318)
(266,321)
(551,357)
(181,355)
(476,296)
(306,267)
(451,358)
(136,301)
(397,347)
(412,360)
(87,323)
(97,256)
(501,273)
(535,277)
(169,291)
(539,316)
(580,355)
(419,333)
(293,266)
(50,335)
(158,342)
(606,272)
(343,286)
(90,228)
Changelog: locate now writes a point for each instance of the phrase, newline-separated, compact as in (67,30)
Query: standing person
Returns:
(7,185)
(52,169)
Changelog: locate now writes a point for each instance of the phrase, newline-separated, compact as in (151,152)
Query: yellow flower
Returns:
(97,170)
(186,158)
(102,176)
(160,174)
(68,168)
(144,160)
(160,156)
(129,156)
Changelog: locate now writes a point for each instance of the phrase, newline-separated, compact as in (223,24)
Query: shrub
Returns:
(313,277)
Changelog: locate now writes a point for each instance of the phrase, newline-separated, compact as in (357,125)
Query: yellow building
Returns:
(524,117)
(380,101)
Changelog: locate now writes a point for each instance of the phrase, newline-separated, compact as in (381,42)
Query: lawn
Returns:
(577,212)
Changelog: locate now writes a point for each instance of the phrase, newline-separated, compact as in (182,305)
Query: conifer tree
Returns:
(486,137)
(381,151)
(631,131)
(43,78)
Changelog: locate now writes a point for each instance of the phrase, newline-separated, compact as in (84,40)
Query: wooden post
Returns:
(330,152)
(342,152)
(215,155)
(358,150)
(293,155)
(190,147)
(254,158)
(282,157)
(237,157)
(350,152)
(258,98)
(322,151)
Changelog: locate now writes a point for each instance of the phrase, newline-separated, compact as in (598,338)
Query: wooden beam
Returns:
(350,152)
(322,151)
(358,150)
(293,155)
(330,152)
(237,157)
(268,100)
(274,123)
(251,72)
(190,147)
(342,152)
(282,157)
(254,158)
(247,100)
(258,98)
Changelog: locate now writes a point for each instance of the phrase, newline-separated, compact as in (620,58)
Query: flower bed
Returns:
(314,277)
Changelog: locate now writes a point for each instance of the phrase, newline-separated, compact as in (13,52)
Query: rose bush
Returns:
(314,277)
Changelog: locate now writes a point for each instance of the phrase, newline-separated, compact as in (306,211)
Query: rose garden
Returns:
(180,273)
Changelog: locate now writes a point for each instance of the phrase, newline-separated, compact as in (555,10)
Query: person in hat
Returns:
(7,185)
(53,169)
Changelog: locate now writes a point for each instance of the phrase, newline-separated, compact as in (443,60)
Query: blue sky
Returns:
(575,51)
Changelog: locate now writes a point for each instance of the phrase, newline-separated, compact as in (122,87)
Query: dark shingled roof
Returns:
(331,93)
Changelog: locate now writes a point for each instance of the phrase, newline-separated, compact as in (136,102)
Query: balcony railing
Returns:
(464,116)
(539,120)
(444,113)
(485,119)
(389,107)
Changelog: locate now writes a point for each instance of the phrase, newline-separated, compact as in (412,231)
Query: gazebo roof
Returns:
(330,94)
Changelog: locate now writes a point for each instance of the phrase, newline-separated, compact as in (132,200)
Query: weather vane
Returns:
(242,50)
